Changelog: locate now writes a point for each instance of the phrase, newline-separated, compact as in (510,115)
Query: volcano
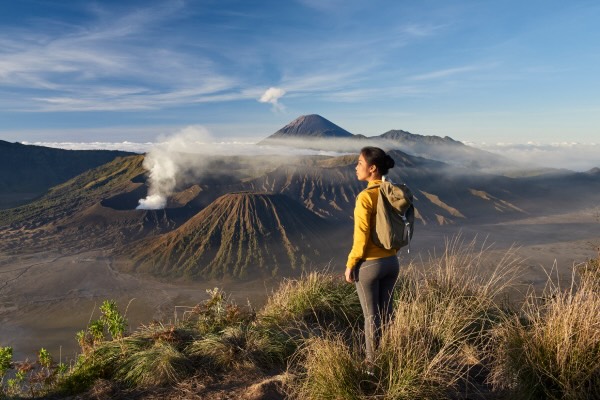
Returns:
(310,126)
(241,235)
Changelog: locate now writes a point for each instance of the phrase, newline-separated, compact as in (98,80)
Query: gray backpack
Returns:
(395,220)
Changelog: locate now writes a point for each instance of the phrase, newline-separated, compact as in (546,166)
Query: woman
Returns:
(373,269)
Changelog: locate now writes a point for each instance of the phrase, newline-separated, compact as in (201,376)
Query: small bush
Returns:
(113,319)
(243,346)
(100,362)
(6,354)
(157,365)
(216,314)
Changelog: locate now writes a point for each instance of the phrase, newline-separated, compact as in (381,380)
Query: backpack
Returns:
(395,220)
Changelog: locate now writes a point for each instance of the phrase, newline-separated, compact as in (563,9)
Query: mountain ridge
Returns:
(315,132)
(28,171)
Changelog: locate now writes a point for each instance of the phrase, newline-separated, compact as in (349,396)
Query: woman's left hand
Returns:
(348,275)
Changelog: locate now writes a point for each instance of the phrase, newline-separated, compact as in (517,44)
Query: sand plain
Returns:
(45,298)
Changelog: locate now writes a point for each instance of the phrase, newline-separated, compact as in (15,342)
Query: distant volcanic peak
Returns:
(404,136)
(312,125)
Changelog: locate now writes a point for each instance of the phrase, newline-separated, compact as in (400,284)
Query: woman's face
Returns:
(363,170)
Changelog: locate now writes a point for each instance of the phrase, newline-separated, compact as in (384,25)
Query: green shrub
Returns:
(6,354)
(113,320)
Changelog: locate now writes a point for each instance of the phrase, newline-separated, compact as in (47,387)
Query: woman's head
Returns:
(373,163)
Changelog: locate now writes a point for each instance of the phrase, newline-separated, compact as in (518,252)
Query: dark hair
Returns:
(377,157)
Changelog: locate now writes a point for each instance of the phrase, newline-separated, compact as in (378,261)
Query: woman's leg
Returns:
(387,282)
(367,287)
(375,285)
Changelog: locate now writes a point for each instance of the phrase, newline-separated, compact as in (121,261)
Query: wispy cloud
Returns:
(119,59)
(444,73)
(83,68)
(421,30)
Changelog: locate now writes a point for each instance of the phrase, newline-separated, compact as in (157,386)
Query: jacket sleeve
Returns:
(362,219)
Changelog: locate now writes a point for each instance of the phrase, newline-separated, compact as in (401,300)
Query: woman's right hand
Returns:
(348,274)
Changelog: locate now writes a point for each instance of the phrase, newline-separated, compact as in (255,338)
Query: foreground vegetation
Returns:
(453,336)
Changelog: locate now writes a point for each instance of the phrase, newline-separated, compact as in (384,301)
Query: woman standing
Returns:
(373,269)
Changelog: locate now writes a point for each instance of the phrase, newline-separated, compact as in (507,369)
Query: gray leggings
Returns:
(375,280)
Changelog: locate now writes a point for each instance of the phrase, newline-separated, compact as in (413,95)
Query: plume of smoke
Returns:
(189,155)
(169,160)
(272,95)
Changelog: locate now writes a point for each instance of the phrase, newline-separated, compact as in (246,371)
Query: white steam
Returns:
(272,95)
(188,155)
(169,160)
(153,202)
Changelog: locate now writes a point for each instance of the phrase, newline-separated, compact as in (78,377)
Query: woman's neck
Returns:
(374,178)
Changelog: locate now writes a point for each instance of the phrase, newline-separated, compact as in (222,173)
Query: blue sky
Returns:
(478,71)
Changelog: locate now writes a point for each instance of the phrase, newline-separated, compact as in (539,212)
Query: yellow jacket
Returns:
(365,212)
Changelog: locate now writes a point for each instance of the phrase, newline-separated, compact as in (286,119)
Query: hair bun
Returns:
(389,161)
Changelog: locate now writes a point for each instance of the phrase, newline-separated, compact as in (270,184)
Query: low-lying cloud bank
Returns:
(574,156)
(190,153)
(124,146)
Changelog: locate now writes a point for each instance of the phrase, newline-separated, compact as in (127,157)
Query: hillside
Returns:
(241,235)
(27,224)
(28,171)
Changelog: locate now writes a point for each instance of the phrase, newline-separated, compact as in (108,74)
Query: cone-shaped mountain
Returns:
(312,125)
(241,235)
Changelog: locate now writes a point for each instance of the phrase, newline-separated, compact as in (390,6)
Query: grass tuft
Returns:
(316,298)
(158,365)
(552,349)
(331,370)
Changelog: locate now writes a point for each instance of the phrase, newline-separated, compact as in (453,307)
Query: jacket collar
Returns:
(374,182)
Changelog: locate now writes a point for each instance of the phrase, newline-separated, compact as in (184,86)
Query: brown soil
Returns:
(240,385)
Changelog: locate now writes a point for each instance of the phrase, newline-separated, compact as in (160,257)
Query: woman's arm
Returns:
(362,229)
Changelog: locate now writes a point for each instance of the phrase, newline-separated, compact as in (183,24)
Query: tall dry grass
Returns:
(450,320)
(316,298)
(441,329)
(551,349)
